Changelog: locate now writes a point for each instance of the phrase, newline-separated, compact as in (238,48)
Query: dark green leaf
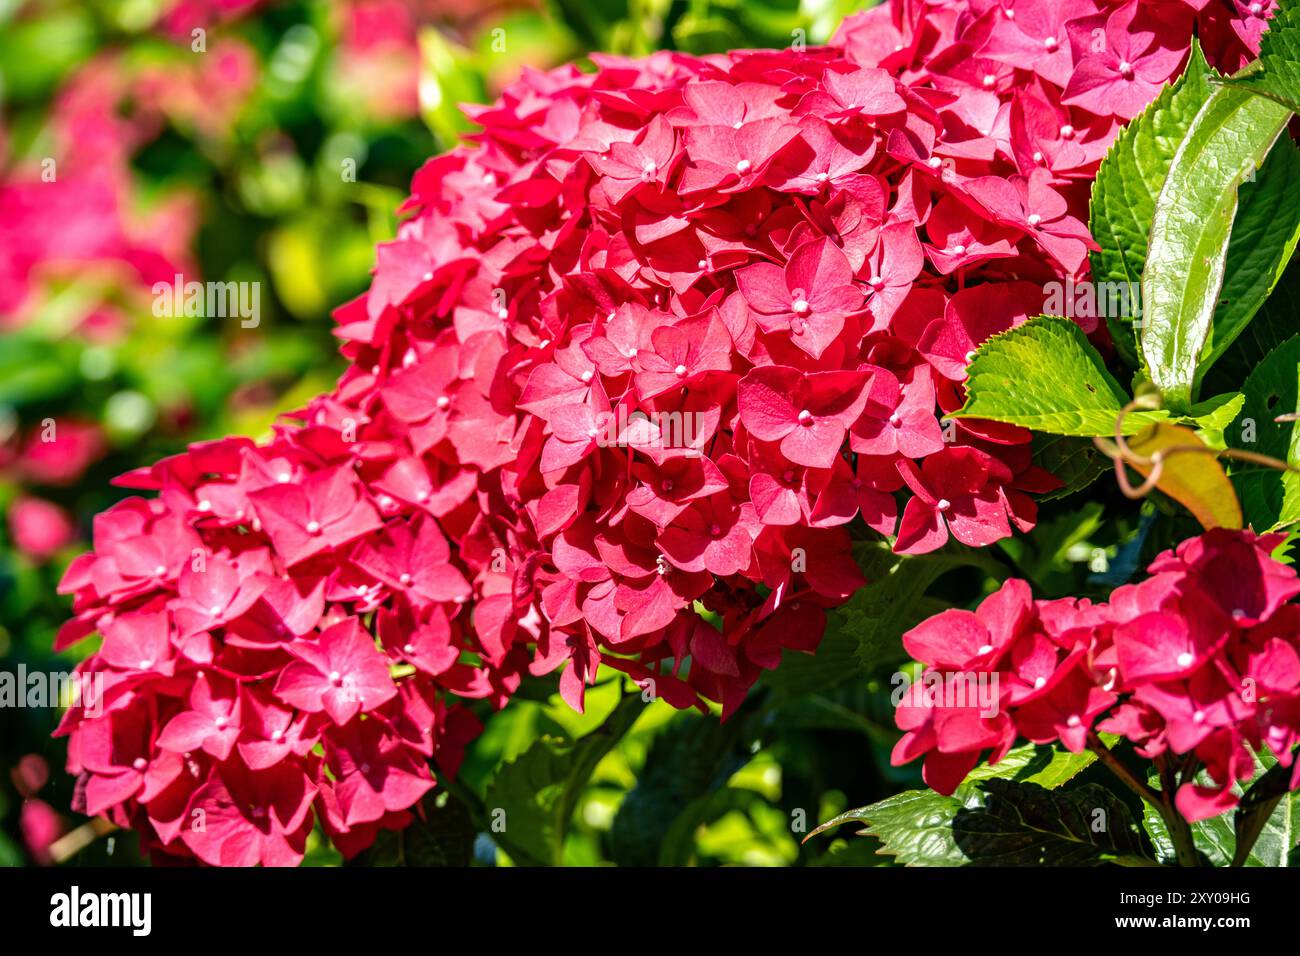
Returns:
(1002,823)
(1264,236)
(691,758)
(893,600)
(1270,498)
(1075,461)
(1272,325)
(1261,831)
(530,801)
(1264,823)
(441,835)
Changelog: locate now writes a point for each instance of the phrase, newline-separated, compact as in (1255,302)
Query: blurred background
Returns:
(271,142)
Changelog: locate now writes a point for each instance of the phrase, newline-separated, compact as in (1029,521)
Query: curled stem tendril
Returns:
(1119,451)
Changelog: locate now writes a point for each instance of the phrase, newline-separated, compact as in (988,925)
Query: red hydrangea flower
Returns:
(1200,658)
(652,340)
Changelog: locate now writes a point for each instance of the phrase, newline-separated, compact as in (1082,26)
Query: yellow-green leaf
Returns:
(1195,480)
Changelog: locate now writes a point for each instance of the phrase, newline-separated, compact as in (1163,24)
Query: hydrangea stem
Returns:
(1180,833)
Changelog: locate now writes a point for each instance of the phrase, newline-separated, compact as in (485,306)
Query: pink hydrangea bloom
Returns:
(1202,657)
(650,342)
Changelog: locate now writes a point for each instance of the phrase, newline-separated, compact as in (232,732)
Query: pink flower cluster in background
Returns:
(632,365)
(1202,657)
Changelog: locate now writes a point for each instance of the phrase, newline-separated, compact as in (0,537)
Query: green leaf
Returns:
(1272,325)
(894,599)
(915,826)
(1213,837)
(1267,814)
(835,662)
(1025,824)
(1046,766)
(539,789)
(1266,821)
(1264,236)
(1195,480)
(1270,498)
(1075,461)
(441,835)
(1279,57)
(1052,555)
(1190,231)
(1128,182)
(1046,375)
(1002,823)
(1217,413)
(691,758)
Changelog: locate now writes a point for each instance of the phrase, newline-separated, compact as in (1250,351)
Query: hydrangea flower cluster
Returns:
(631,366)
(1201,658)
